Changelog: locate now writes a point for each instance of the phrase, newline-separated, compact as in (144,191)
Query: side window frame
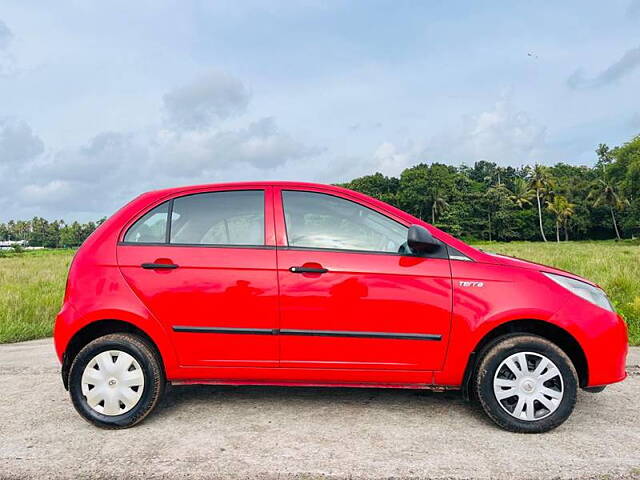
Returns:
(282,239)
(267,208)
(337,250)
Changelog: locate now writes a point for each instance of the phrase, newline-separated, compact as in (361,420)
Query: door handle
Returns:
(153,266)
(308,270)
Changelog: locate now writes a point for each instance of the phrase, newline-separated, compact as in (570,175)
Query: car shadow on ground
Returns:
(179,398)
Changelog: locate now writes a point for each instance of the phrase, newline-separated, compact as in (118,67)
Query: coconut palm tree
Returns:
(562,209)
(568,212)
(605,194)
(438,204)
(521,193)
(540,182)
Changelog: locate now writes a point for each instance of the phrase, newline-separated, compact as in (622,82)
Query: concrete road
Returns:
(268,432)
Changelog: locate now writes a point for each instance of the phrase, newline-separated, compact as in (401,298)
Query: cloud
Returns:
(391,160)
(48,193)
(18,143)
(213,97)
(261,144)
(616,71)
(5,36)
(113,167)
(193,146)
(7,62)
(503,134)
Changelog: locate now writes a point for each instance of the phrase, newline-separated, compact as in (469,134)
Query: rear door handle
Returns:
(307,270)
(153,266)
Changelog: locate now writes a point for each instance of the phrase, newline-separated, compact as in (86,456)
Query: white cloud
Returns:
(96,178)
(210,98)
(614,72)
(52,192)
(390,160)
(18,142)
(504,135)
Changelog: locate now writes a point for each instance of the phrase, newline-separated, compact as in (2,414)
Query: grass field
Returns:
(32,283)
(31,290)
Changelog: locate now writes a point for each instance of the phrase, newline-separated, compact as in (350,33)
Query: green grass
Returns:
(31,291)
(32,283)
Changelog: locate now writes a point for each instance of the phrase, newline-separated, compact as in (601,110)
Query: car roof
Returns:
(263,183)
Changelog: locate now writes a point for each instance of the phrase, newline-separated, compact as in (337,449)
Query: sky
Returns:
(101,101)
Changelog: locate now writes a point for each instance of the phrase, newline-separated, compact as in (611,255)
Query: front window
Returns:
(317,220)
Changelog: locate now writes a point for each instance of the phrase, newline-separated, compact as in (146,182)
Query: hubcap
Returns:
(112,382)
(528,386)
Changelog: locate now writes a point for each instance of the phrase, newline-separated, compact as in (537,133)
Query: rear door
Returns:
(209,275)
(349,299)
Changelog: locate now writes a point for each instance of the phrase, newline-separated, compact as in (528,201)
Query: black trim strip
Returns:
(245,331)
(167,238)
(338,333)
(310,333)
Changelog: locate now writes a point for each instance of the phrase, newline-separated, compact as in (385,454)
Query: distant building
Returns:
(9,244)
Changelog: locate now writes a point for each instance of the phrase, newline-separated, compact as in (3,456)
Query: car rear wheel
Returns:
(116,381)
(526,383)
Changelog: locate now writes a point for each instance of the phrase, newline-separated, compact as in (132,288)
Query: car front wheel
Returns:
(116,380)
(525,383)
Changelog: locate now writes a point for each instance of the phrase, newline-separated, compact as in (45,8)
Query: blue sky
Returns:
(100,101)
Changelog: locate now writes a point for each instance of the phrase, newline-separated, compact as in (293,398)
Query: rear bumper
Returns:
(62,330)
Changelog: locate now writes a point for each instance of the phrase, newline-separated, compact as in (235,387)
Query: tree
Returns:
(521,193)
(497,203)
(605,154)
(438,204)
(541,183)
(376,185)
(605,194)
(562,209)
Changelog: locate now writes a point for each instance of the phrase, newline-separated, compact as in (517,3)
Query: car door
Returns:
(204,265)
(348,298)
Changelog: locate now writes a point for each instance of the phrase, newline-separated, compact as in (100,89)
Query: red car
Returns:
(279,283)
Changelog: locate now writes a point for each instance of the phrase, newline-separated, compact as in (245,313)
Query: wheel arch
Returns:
(98,329)
(558,335)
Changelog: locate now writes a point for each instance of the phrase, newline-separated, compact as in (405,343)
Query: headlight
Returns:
(590,293)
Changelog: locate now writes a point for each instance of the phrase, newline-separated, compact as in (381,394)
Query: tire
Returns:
(534,400)
(133,362)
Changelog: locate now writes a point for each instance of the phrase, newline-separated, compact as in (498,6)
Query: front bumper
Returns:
(607,354)
(603,337)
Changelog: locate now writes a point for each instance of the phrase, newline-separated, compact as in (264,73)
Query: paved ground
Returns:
(266,432)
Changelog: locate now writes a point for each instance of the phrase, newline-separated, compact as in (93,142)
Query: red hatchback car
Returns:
(279,283)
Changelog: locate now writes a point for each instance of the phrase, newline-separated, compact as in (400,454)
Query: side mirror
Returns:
(420,240)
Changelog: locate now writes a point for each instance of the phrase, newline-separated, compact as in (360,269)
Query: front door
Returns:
(208,275)
(348,297)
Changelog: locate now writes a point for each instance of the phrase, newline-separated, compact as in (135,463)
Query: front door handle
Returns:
(153,266)
(308,270)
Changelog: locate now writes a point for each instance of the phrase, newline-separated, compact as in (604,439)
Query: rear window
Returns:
(219,218)
(151,228)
